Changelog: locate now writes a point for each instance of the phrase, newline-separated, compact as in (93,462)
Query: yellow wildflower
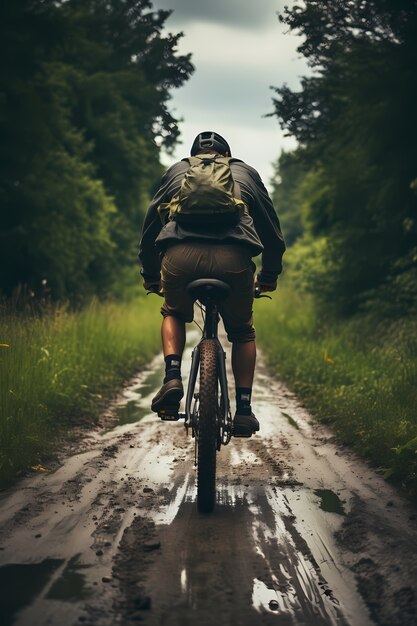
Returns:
(327,358)
(39,468)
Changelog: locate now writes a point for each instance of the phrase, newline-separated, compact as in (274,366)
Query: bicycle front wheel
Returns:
(207,427)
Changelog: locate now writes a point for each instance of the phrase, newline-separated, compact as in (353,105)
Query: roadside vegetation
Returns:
(345,332)
(57,368)
(359,375)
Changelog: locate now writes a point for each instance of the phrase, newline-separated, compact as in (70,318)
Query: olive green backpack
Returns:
(208,193)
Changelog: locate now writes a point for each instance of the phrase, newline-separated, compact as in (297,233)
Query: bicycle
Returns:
(207,411)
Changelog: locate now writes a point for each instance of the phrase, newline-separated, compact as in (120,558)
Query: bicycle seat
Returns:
(205,289)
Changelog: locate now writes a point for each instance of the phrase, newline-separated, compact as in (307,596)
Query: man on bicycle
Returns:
(174,252)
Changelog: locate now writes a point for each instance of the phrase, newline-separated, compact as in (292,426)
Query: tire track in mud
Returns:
(303,532)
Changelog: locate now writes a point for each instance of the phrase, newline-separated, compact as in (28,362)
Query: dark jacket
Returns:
(260,231)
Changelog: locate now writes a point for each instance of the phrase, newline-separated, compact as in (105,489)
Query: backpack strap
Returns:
(237,192)
(228,160)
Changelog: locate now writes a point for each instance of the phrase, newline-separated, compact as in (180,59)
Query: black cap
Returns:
(209,140)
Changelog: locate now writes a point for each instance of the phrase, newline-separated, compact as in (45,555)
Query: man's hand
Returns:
(153,287)
(262,287)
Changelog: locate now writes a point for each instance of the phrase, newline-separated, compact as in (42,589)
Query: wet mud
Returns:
(303,532)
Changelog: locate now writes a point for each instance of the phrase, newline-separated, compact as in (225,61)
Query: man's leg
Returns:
(243,363)
(236,312)
(173,335)
(173,342)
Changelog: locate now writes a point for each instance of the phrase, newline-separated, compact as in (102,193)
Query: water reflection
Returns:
(20,583)
(71,585)
(131,412)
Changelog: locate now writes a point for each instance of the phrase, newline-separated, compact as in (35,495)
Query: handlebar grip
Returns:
(155,293)
(258,294)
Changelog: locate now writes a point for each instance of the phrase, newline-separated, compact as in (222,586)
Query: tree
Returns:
(290,171)
(355,118)
(83,108)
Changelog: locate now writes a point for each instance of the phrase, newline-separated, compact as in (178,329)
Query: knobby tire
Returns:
(207,427)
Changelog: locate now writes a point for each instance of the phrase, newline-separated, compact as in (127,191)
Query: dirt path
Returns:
(303,532)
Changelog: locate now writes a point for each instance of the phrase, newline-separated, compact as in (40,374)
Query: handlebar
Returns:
(257,294)
(154,293)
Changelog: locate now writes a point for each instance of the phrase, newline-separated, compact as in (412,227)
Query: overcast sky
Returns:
(239,49)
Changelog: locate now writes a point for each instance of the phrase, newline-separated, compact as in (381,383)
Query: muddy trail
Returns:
(303,532)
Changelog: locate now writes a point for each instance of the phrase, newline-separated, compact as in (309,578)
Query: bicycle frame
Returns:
(210,331)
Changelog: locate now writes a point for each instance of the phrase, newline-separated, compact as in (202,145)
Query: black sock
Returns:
(172,367)
(243,398)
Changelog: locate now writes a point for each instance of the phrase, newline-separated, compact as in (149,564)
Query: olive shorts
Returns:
(185,262)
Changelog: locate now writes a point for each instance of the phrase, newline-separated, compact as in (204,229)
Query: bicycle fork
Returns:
(225,420)
(195,362)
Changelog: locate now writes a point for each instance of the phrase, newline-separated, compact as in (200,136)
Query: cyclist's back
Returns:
(178,251)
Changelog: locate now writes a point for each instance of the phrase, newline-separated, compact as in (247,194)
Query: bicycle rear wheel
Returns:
(207,427)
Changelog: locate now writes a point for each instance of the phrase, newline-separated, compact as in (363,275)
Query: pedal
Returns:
(169,414)
(242,434)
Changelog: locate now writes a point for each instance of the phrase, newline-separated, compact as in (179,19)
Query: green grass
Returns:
(58,368)
(359,375)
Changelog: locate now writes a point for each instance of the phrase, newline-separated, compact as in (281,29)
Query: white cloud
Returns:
(245,51)
(237,13)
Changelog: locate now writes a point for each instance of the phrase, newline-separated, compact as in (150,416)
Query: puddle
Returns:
(184,585)
(71,585)
(133,408)
(329,501)
(151,383)
(131,412)
(167,514)
(135,403)
(21,583)
(304,581)
(291,420)
(265,599)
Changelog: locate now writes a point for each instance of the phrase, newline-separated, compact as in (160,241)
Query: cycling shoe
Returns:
(168,396)
(245,425)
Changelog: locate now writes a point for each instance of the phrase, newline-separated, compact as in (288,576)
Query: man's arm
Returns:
(148,254)
(267,226)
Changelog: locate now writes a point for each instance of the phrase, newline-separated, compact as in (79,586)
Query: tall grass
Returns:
(56,368)
(360,375)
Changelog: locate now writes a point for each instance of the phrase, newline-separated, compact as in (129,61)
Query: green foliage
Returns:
(359,375)
(57,367)
(84,87)
(289,172)
(404,463)
(355,119)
